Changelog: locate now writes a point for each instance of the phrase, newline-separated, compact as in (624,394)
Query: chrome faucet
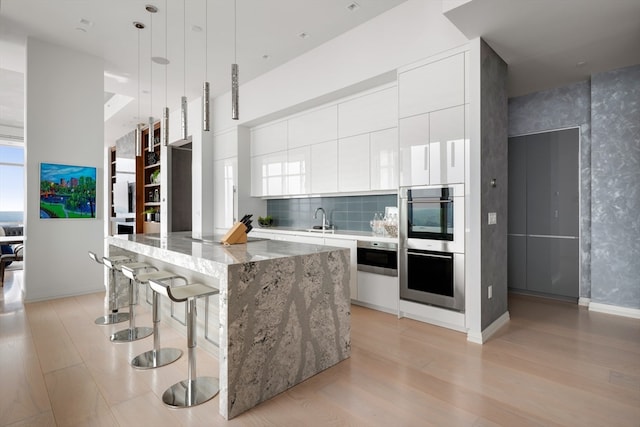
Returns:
(325,223)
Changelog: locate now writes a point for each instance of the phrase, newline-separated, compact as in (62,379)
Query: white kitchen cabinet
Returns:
(268,174)
(353,164)
(225,178)
(378,291)
(446,146)
(353,260)
(298,171)
(433,86)
(313,127)
(414,150)
(371,112)
(270,138)
(324,167)
(383,146)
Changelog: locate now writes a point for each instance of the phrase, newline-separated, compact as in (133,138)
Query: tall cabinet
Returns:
(543,237)
(148,169)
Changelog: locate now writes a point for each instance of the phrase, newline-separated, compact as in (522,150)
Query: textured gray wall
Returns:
(615,166)
(494,155)
(567,106)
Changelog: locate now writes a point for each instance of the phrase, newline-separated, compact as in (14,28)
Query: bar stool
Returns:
(113,317)
(133,332)
(156,357)
(194,390)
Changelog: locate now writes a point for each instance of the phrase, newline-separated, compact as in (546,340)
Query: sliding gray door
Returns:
(544,213)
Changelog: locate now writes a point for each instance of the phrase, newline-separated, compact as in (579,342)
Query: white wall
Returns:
(414,30)
(64,124)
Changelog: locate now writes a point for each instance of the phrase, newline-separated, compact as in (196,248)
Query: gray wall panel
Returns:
(616,187)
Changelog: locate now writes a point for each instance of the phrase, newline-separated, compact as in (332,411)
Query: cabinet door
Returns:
(225,175)
(353,164)
(384,159)
(298,171)
(414,150)
(368,113)
(316,126)
(432,87)
(446,146)
(324,167)
(268,174)
(269,139)
(553,266)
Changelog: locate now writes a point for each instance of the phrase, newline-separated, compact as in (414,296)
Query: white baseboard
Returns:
(489,331)
(633,313)
(584,301)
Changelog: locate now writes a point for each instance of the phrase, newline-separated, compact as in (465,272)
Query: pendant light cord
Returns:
(184,47)
(166,37)
(235,33)
(206,39)
(150,71)
(138,76)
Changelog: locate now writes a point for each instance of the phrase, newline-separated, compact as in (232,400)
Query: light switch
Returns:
(492,218)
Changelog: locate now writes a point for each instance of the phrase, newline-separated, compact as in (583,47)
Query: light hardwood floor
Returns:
(554,364)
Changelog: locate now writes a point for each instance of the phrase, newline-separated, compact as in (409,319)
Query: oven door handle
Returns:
(411,201)
(429,255)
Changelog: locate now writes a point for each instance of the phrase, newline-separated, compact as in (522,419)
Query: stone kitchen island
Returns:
(284,308)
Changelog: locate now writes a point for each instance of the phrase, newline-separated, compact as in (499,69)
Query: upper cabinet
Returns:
(432,139)
(433,86)
(269,139)
(313,127)
(350,146)
(368,113)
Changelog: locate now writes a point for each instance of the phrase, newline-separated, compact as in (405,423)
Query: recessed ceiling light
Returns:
(160,60)
(151,8)
(138,25)
(86,22)
(265,56)
(145,91)
(196,28)
(303,35)
(353,6)
(581,63)
(83,30)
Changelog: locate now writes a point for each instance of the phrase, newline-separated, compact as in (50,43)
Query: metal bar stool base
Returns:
(112,319)
(202,390)
(128,335)
(156,358)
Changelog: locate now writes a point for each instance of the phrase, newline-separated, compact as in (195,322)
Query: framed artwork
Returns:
(67,191)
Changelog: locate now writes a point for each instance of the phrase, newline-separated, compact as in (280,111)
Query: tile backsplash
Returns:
(344,212)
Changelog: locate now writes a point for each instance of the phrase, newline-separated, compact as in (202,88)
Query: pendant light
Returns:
(205,86)
(139,26)
(164,125)
(183,100)
(150,141)
(234,69)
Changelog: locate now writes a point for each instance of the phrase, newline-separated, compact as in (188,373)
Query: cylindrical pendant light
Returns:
(205,87)
(235,108)
(183,118)
(139,26)
(150,141)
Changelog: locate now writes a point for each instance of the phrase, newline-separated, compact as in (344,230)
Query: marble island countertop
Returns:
(209,248)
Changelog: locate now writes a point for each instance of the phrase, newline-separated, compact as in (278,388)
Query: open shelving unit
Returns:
(148,167)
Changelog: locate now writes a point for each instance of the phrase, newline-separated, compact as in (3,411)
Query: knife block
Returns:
(236,234)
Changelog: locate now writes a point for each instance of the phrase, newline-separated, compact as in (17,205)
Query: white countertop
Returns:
(337,234)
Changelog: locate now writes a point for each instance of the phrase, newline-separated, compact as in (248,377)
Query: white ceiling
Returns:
(541,40)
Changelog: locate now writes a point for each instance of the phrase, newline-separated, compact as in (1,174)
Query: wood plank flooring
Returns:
(555,364)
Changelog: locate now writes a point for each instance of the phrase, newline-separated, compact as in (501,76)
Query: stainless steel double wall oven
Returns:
(431,254)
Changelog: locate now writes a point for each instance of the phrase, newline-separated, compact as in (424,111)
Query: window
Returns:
(11,184)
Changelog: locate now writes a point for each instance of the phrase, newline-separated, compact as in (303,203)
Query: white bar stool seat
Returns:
(156,357)
(133,332)
(194,390)
(114,316)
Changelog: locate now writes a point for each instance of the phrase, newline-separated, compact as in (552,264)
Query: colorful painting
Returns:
(67,191)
